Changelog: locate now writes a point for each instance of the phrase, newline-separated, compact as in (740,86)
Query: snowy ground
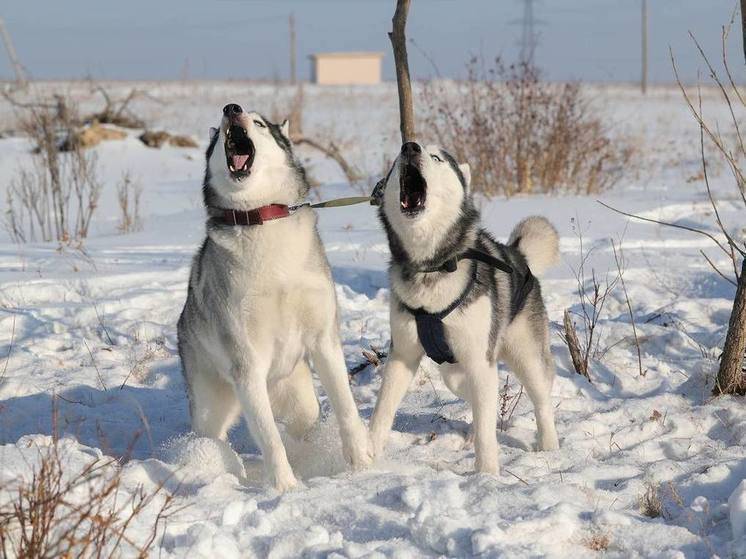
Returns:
(93,331)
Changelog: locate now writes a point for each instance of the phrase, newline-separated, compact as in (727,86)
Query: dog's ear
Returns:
(285,128)
(466,171)
(213,133)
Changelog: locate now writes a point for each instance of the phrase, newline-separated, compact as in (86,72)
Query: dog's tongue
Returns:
(239,161)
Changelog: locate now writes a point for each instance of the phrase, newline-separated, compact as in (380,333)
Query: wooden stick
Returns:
(399,44)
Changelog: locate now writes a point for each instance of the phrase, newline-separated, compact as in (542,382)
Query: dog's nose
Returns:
(411,148)
(232,109)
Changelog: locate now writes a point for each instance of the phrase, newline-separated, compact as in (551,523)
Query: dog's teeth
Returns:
(232,168)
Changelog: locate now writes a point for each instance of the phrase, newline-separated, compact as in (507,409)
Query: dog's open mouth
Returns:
(412,190)
(239,152)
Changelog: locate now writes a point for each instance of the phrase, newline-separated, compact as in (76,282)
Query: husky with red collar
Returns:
(462,299)
(261,301)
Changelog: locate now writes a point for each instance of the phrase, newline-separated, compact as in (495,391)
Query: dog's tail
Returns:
(538,241)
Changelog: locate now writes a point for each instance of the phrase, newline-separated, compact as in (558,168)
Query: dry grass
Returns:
(650,502)
(129,192)
(83,513)
(597,542)
(521,134)
(56,196)
(508,402)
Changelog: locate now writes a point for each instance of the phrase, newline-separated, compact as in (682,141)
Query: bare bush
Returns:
(56,197)
(129,192)
(592,293)
(115,112)
(58,513)
(521,134)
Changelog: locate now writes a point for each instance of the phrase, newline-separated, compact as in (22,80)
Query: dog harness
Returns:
(430,327)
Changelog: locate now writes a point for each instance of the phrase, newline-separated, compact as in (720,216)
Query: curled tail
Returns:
(538,241)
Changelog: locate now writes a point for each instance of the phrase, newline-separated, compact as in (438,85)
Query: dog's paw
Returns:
(548,441)
(548,445)
(487,467)
(358,449)
(377,444)
(284,480)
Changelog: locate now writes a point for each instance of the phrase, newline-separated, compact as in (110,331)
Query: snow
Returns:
(94,338)
(737,507)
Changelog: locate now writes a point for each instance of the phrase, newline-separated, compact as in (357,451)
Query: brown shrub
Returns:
(58,513)
(523,135)
(598,542)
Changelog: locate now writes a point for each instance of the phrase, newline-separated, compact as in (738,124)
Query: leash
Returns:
(335,203)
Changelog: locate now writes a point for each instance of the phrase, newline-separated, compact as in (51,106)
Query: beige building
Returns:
(345,68)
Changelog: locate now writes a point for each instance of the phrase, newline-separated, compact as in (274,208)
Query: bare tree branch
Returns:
(717,270)
(674,225)
(332,152)
(717,140)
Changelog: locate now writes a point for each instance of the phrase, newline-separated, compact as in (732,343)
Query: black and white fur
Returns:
(260,304)
(426,229)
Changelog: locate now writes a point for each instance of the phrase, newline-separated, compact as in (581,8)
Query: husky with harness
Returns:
(462,299)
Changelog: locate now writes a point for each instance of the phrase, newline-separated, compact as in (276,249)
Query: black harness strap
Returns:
(520,294)
(430,327)
(471,254)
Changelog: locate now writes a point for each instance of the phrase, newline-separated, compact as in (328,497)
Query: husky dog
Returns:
(462,298)
(261,301)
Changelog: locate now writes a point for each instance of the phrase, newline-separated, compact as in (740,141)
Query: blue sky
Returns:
(596,40)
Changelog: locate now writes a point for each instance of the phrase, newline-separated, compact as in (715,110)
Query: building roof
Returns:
(351,54)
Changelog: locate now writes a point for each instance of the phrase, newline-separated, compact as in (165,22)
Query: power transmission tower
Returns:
(644,53)
(291,24)
(21,79)
(528,33)
(529,36)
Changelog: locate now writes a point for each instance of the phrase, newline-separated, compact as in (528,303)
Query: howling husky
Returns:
(261,301)
(462,298)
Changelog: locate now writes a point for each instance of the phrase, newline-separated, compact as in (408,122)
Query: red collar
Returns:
(256,216)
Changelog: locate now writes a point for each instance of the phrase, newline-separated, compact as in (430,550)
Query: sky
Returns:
(591,40)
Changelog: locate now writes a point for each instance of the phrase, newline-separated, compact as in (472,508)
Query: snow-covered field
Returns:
(91,333)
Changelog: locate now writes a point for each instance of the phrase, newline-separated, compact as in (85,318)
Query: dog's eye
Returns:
(436,158)
(259,123)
